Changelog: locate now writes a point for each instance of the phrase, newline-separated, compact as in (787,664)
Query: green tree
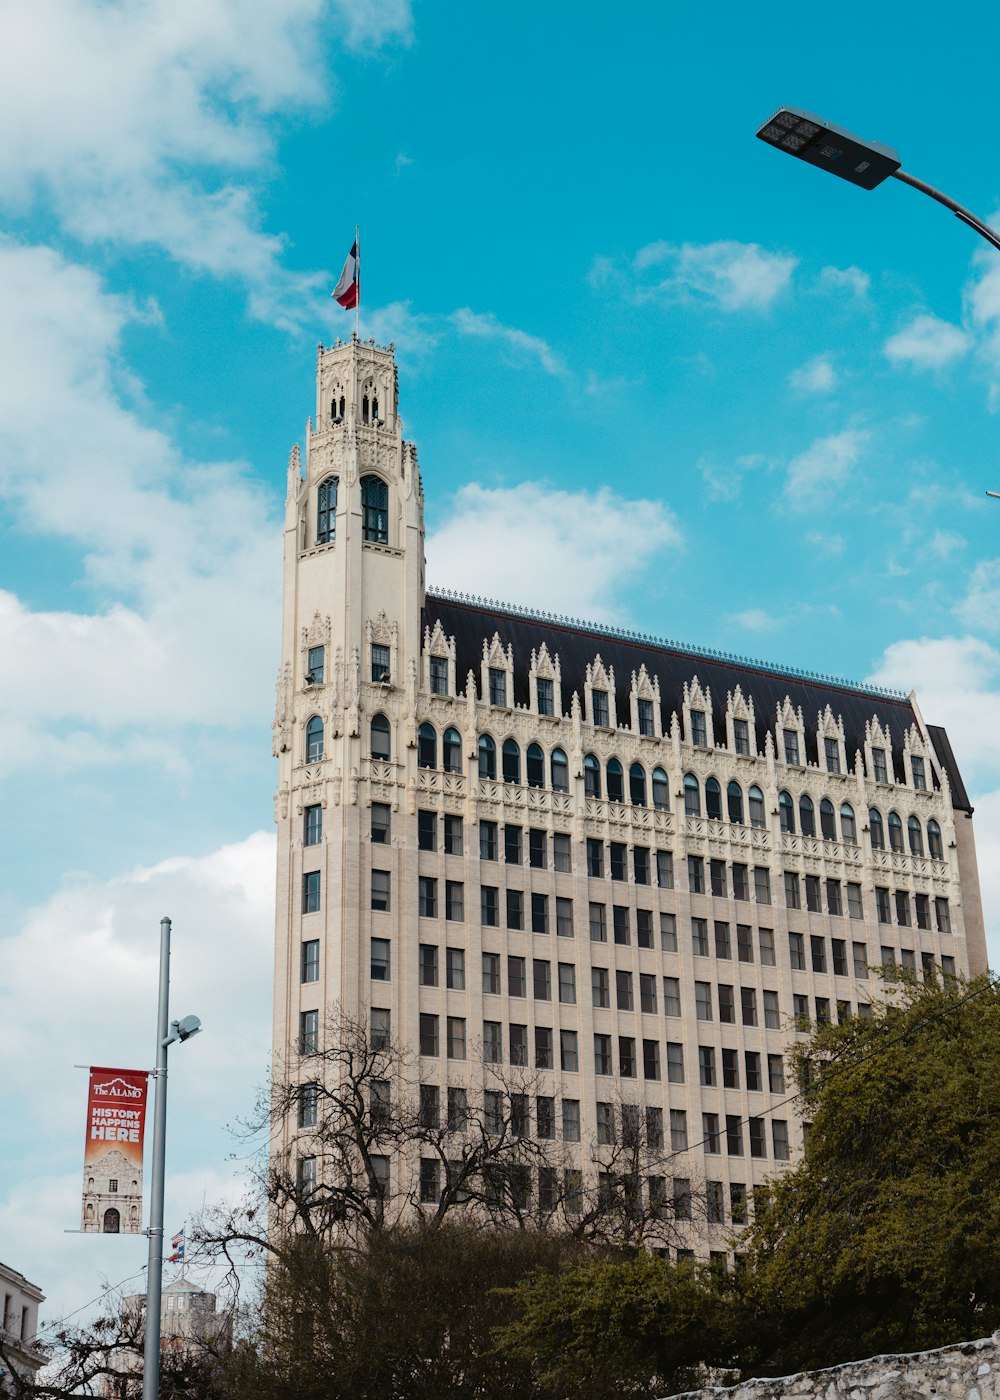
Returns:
(884,1237)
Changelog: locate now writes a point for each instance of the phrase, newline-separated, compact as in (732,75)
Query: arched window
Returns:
(451,751)
(560,771)
(895,832)
(756,805)
(591,776)
(692,796)
(916,836)
(734,801)
(807,815)
(934,846)
(326,510)
(876,829)
(827,820)
(848,826)
(314,740)
(381,737)
(427,746)
(487,757)
(637,785)
(374,509)
(534,764)
(112,1221)
(364,409)
(786,813)
(616,781)
(511,761)
(713,799)
(661,791)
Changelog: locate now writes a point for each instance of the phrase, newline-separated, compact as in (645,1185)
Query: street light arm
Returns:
(959,210)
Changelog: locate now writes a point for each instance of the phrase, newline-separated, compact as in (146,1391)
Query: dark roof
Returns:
(471,621)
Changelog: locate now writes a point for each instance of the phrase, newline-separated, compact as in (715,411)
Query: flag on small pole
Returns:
(177,1245)
(347,292)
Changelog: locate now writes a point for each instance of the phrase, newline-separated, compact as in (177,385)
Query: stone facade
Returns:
(701,848)
(19,1325)
(969,1371)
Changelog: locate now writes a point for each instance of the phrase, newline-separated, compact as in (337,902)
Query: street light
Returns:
(862,163)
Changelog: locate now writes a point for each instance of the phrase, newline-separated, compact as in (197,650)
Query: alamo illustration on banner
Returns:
(112,1163)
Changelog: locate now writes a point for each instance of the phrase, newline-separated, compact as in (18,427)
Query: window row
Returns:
(374,508)
(919,914)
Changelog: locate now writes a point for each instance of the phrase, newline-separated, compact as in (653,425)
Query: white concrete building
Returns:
(618,860)
(19,1331)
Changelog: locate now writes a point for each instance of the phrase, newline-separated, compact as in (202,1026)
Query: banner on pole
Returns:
(112,1161)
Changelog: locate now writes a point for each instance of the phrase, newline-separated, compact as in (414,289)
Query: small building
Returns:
(190,1324)
(21,1351)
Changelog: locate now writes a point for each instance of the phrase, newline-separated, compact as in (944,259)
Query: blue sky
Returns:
(658,374)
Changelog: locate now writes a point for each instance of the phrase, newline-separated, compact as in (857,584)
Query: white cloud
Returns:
(585,548)
(181,557)
(816,474)
(817,376)
(927,342)
(485,326)
(735,276)
(830,545)
(725,480)
(147,124)
(78,982)
(845,279)
(980,608)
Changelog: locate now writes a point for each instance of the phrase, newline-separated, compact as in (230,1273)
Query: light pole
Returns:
(862,163)
(165,1037)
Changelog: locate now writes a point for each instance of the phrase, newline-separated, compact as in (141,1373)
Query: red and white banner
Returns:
(112,1160)
(348,289)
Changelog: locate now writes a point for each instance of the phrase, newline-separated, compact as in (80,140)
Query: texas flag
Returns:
(347,289)
(177,1244)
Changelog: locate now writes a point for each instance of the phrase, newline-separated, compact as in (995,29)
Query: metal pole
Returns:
(154,1269)
(959,210)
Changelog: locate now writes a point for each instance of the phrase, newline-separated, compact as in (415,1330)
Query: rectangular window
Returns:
(800,1011)
(706,1066)
(772,1014)
(312,825)
(605,1124)
(595,858)
(645,713)
(564,917)
(791,738)
(776,1074)
(793,897)
(602,1054)
(860,953)
(796,952)
(537,848)
(539,913)
(454,901)
(903,908)
(647,993)
(569,1058)
(654,1127)
(517,977)
(454,843)
(748,1005)
(878,765)
(758,1143)
(678,1130)
(430,1180)
(855,906)
(455,969)
(600,986)
(943,914)
(839,950)
(543,1047)
(458,1111)
(599,707)
(817,948)
(651,1059)
(567,984)
(381,661)
(487,840)
(703,1001)
(675,1062)
(380,960)
(598,923)
(696,875)
(727,1005)
(722,944)
(665,870)
(498,686)
(779,1139)
(947,970)
(919,773)
(882,905)
(744,943)
(623,991)
(741,882)
(380,890)
(619,858)
(426,830)
(380,1028)
(541,979)
(515,909)
(512,845)
(309,969)
(427,897)
(644,928)
(562,852)
(315,665)
(428,1033)
(730,1069)
(545,1117)
(908,959)
(491,974)
(439,675)
(751,1061)
(699,937)
(640,864)
(714,1203)
(734,1135)
(699,732)
(741,736)
(626,1056)
(518,1044)
(546,696)
(710,1132)
(822,1011)
(812,894)
(765,939)
(832,750)
(621,924)
(888,957)
(717,878)
(571,1120)
(456,1037)
(308,1032)
(922,911)
(668,933)
(310,892)
(834,898)
(762,884)
(381,824)
(671,996)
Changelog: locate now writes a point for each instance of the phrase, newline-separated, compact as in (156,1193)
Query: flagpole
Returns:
(357,309)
